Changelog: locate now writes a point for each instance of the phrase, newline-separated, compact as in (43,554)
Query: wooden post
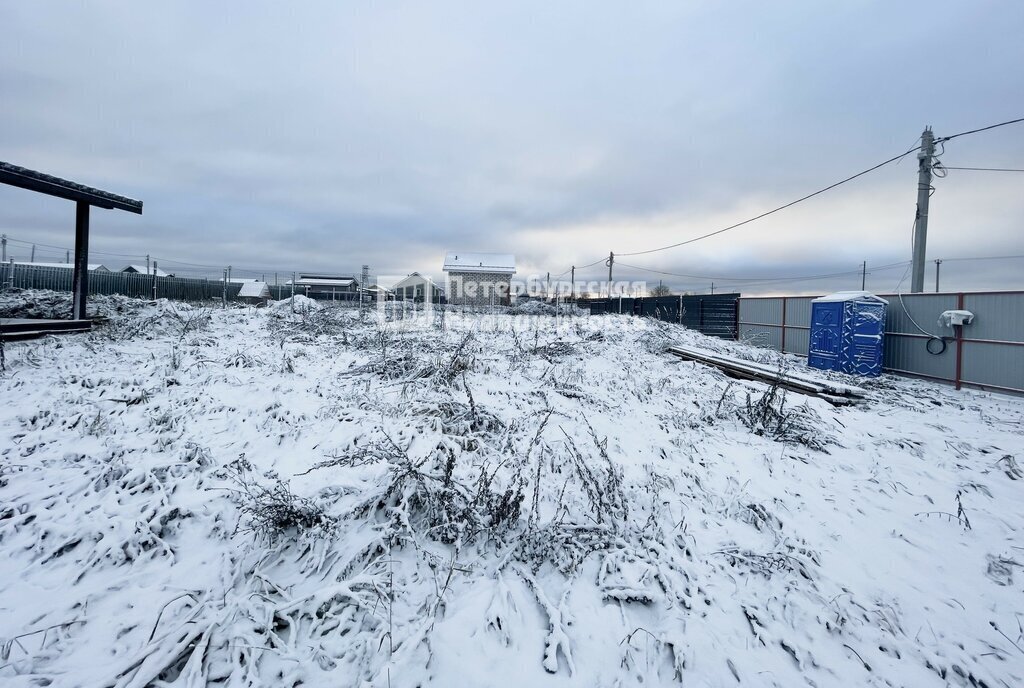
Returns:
(80,274)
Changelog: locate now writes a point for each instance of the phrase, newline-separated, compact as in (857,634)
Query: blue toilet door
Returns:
(826,335)
(864,355)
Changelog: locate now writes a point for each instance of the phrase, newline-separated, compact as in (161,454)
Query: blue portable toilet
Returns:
(847,331)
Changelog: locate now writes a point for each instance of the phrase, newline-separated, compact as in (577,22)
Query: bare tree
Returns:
(661,290)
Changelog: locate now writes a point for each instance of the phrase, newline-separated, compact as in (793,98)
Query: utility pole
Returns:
(712,287)
(863,275)
(924,190)
(3,244)
(229,273)
(572,283)
(938,262)
(223,290)
(67,257)
(154,280)
(610,263)
(147,264)
(293,292)
(547,287)
(33,258)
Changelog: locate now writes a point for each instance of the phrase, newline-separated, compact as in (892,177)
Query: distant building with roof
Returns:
(418,288)
(145,270)
(479,279)
(95,267)
(327,287)
(254,292)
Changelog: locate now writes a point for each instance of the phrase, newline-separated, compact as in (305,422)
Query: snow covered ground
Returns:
(259,497)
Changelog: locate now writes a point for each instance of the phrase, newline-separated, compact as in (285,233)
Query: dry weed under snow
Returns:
(253,497)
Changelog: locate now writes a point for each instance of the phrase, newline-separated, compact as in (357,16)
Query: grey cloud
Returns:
(324,136)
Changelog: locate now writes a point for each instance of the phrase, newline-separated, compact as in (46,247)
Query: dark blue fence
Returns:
(712,314)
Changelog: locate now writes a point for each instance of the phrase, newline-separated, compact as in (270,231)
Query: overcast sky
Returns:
(325,135)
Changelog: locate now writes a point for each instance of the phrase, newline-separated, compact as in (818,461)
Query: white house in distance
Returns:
(479,279)
(254,292)
(417,288)
(94,267)
(145,270)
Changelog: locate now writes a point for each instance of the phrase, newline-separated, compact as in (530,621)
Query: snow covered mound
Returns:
(259,497)
(298,303)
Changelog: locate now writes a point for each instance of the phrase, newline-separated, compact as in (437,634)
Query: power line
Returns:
(984,258)
(774,210)
(755,281)
(943,139)
(819,191)
(985,169)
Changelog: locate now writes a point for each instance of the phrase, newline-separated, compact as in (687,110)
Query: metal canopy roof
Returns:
(62,188)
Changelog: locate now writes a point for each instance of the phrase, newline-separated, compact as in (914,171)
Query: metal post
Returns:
(958,331)
(863,275)
(365,277)
(782,346)
(80,273)
(938,262)
(924,190)
(224,290)
(611,262)
(10,274)
(154,280)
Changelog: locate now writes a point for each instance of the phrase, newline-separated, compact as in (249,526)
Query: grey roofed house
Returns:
(144,270)
(417,287)
(254,291)
(479,279)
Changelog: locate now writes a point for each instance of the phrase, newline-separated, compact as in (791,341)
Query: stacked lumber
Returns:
(835,393)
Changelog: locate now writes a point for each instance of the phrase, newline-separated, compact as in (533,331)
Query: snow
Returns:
(297,303)
(254,497)
(480,262)
(850,296)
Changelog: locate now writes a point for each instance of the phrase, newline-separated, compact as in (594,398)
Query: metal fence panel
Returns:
(904,353)
(924,309)
(712,314)
(798,311)
(998,316)
(761,311)
(131,284)
(759,335)
(999,366)
(798,340)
